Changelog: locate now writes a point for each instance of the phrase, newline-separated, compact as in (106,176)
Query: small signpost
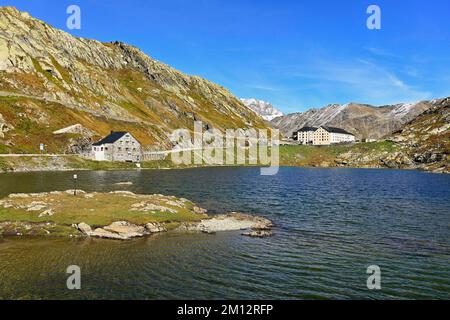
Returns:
(75,178)
(41,148)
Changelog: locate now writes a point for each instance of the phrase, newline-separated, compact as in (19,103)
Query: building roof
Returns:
(111,138)
(336,130)
(306,129)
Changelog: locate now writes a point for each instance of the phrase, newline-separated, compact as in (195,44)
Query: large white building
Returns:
(323,136)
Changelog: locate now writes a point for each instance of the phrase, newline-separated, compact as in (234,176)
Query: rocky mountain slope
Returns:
(426,139)
(264,109)
(423,143)
(50,80)
(364,121)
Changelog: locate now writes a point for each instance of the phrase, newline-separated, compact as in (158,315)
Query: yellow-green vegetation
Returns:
(64,209)
(368,154)
(312,156)
(145,108)
(34,122)
(103,87)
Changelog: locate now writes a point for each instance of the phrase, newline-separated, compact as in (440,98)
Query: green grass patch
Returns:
(98,209)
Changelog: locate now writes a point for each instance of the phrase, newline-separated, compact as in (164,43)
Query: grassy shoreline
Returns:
(118,215)
(58,213)
(382,154)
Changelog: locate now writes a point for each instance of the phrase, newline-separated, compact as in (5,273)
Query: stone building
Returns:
(118,146)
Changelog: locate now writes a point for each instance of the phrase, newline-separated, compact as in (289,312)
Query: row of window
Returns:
(127,142)
(106,149)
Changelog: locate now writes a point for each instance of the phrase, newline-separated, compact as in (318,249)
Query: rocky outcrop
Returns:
(228,222)
(75,129)
(4,127)
(155,227)
(258,234)
(84,228)
(82,142)
(121,230)
(361,159)
(426,139)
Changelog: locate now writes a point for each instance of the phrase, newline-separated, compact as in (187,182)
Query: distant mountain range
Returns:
(364,121)
(264,109)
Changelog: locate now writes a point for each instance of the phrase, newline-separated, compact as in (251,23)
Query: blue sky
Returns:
(296,54)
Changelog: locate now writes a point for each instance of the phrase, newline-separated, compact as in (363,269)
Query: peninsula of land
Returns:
(119,215)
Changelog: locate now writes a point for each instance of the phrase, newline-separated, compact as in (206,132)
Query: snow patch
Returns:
(402,109)
(262,108)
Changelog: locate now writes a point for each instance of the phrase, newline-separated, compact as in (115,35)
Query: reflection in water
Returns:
(332,224)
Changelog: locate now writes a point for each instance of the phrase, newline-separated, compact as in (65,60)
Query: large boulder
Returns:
(84,228)
(102,233)
(155,227)
(126,229)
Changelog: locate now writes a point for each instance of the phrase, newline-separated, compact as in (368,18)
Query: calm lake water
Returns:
(332,225)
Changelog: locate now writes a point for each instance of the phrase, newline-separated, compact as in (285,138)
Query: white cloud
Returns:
(362,81)
(264,87)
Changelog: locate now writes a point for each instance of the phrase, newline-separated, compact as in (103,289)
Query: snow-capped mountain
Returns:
(364,121)
(264,109)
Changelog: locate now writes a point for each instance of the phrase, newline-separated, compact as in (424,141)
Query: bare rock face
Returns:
(82,143)
(4,126)
(426,139)
(76,129)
